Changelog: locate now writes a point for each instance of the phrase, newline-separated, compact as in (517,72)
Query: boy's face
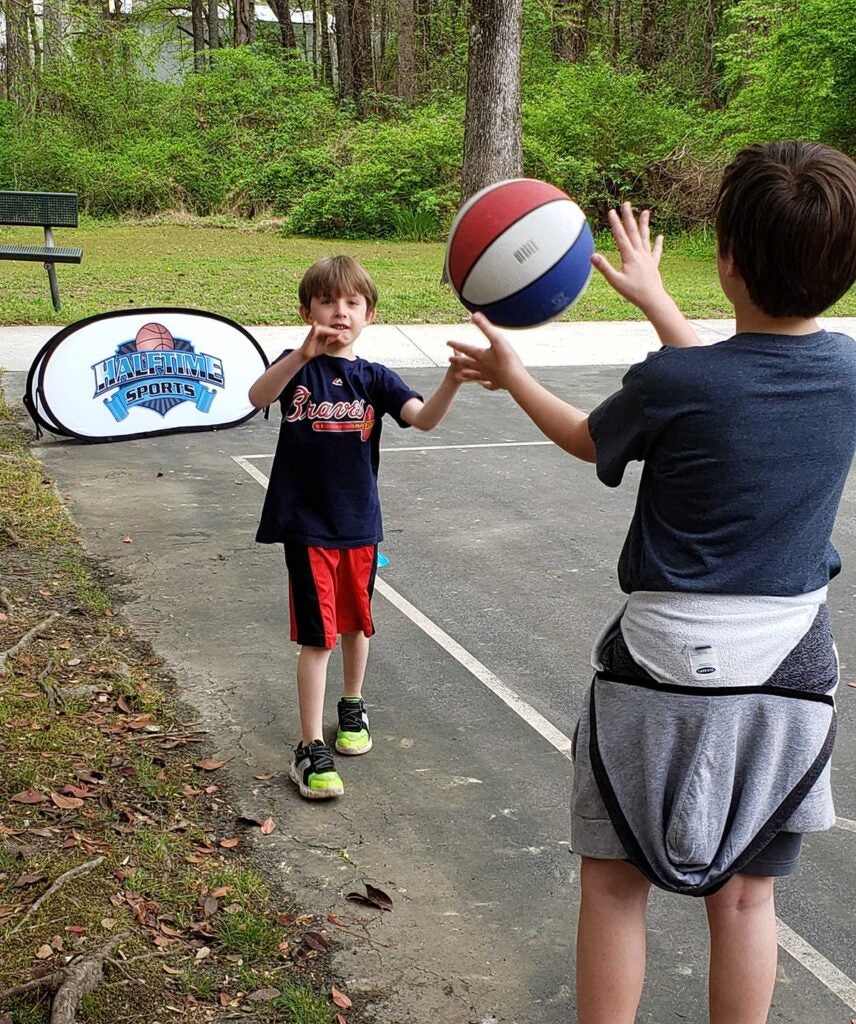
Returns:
(347,313)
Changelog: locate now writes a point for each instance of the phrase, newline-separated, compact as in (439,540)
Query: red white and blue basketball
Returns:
(520,252)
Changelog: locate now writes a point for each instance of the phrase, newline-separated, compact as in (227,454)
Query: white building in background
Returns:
(176,41)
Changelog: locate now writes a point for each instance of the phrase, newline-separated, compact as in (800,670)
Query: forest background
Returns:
(360,134)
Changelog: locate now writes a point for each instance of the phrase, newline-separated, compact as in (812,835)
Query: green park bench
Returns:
(48,210)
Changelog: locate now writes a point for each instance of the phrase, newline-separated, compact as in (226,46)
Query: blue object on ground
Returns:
(382,560)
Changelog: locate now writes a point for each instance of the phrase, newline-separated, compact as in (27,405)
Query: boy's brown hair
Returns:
(786,216)
(334,276)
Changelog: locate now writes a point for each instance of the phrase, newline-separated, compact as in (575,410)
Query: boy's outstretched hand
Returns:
(638,278)
(493,367)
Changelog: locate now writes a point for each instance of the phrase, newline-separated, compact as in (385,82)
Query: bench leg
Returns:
(51,269)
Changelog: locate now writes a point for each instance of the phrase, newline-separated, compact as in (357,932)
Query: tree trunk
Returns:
(493,147)
(712,14)
(361,46)
(646,48)
(35,40)
(197,25)
(17,51)
(569,37)
(286,30)
(344,57)
(323,29)
(405,85)
(615,29)
(245,22)
(52,26)
(316,53)
(213,25)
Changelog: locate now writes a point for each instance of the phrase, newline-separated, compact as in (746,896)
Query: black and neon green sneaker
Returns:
(313,772)
(353,736)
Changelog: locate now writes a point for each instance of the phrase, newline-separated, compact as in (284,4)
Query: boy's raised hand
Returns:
(493,367)
(319,340)
(638,277)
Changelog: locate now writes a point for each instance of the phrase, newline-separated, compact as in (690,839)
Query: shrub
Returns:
(388,177)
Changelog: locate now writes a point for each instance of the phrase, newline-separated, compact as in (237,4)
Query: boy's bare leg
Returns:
(610,942)
(311,684)
(743,950)
(355,656)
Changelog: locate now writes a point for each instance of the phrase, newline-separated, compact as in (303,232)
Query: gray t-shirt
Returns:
(746,447)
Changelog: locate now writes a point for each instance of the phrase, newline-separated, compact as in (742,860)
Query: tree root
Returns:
(5,603)
(27,638)
(71,983)
(81,869)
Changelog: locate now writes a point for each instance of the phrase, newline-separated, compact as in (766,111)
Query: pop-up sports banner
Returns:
(125,375)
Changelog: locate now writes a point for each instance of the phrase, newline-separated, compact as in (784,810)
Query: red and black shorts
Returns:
(329,592)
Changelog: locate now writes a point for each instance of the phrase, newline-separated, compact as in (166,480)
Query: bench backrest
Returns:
(47,209)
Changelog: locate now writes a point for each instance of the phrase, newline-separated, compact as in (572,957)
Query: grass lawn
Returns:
(250,273)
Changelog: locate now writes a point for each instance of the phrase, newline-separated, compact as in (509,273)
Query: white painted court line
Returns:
(816,963)
(256,474)
(434,448)
(538,722)
(802,951)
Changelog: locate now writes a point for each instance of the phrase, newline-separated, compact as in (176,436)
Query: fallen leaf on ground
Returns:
(315,940)
(210,764)
(373,896)
(230,844)
(340,999)
(202,953)
(108,922)
(267,826)
(171,970)
(263,778)
(340,1019)
(43,952)
(23,880)
(263,995)
(66,803)
(29,796)
(127,539)
(221,890)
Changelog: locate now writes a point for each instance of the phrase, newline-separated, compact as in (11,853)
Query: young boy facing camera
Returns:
(702,751)
(322,502)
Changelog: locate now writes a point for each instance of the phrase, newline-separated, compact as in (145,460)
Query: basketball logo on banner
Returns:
(157,372)
(125,375)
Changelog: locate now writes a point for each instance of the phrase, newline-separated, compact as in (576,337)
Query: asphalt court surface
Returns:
(507,547)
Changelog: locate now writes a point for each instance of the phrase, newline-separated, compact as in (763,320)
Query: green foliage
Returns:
(246,135)
(387,177)
(605,135)
(791,70)
(254,135)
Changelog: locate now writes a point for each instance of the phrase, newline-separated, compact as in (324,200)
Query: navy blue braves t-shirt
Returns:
(746,447)
(323,485)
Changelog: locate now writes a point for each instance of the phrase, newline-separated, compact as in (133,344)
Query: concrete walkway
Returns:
(604,343)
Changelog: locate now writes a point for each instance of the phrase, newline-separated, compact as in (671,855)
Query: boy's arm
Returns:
(638,278)
(498,366)
(270,385)
(426,415)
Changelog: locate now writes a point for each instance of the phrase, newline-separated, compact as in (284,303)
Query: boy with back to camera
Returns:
(322,501)
(702,751)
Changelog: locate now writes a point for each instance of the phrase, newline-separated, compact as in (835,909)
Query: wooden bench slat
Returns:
(41,253)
